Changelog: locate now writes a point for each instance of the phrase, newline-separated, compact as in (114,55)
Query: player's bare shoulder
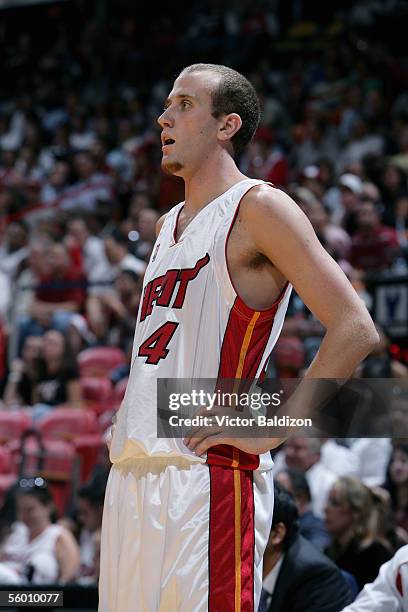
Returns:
(265,204)
(159,224)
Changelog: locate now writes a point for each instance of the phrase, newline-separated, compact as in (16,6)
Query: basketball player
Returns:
(186,522)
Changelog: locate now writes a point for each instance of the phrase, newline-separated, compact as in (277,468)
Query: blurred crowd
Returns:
(81,191)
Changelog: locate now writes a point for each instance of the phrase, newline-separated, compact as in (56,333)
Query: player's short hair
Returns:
(234,94)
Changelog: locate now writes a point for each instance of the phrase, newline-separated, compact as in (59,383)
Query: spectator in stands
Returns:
(147,220)
(399,413)
(350,520)
(389,591)
(400,222)
(320,141)
(119,258)
(92,251)
(23,374)
(37,551)
(384,523)
(351,190)
(397,483)
(362,142)
(59,294)
(334,238)
(303,453)
(79,336)
(29,278)
(8,514)
(289,355)
(13,252)
(57,184)
(89,516)
(393,183)
(338,458)
(297,576)
(121,309)
(14,249)
(117,251)
(374,246)
(379,363)
(140,200)
(373,456)
(265,159)
(57,379)
(91,188)
(311,527)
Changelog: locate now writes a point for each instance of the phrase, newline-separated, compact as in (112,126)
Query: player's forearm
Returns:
(343,347)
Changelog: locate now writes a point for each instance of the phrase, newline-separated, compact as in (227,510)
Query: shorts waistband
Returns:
(155,463)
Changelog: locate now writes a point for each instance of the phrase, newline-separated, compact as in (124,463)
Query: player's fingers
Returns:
(200,431)
(210,416)
(210,441)
(201,434)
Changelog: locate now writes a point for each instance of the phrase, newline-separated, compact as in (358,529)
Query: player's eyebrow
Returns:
(180,96)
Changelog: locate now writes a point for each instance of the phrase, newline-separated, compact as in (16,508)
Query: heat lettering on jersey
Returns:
(160,290)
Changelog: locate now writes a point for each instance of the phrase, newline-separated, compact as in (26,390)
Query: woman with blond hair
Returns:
(351,520)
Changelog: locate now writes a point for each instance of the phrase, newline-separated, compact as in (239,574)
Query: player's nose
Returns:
(165,118)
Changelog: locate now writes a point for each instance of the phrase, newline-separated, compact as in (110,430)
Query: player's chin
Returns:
(171,167)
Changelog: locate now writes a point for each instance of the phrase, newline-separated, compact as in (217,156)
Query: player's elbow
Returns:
(366,334)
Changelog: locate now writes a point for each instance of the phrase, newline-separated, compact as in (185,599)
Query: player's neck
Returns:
(210,181)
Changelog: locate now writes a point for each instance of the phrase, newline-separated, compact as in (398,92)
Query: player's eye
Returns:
(185,104)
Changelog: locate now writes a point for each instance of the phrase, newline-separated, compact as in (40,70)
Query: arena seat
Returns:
(13,423)
(96,389)
(6,480)
(5,460)
(100,360)
(88,448)
(81,428)
(55,460)
(67,423)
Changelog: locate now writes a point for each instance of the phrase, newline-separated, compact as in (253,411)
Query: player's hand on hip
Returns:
(217,431)
(256,446)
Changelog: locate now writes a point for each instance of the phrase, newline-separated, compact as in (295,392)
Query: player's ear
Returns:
(230,124)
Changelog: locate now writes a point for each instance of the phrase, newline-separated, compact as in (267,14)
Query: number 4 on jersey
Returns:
(155,346)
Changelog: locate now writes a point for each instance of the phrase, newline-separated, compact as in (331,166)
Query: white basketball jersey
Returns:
(192,324)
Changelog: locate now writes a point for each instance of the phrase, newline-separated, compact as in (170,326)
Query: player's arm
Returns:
(159,224)
(281,232)
(286,237)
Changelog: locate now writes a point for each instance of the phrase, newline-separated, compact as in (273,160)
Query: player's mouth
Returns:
(167,142)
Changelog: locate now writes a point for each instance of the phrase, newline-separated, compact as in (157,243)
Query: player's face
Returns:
(189,131)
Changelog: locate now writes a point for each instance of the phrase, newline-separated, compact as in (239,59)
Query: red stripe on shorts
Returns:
(231,540)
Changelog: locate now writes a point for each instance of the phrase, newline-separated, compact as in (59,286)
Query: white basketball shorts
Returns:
(179,536)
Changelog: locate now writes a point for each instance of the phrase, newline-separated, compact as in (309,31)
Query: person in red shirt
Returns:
(60,293)
(63,288)
(374,246)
